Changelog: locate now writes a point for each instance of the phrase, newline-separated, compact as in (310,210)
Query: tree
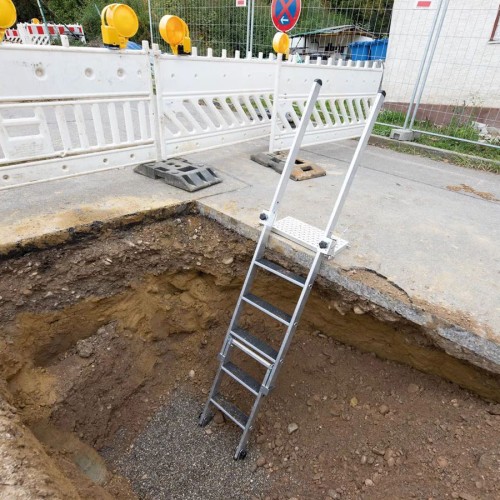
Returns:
(26,10)
(373,15)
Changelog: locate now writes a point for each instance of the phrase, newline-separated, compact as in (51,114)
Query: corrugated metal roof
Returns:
(336,29)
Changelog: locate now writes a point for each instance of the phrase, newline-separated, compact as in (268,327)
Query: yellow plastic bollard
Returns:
(281,43)
(118,23)
(175,32)
(8,16)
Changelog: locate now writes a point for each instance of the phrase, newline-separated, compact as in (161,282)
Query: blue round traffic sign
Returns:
(285,13)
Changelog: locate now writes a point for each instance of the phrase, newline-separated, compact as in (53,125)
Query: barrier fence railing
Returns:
(207,102)
(347,94)
(66,111)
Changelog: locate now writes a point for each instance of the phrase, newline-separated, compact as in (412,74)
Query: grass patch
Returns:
(474,162)
(454,128)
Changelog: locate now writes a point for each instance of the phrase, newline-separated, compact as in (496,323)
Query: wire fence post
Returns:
(443,8)
(418,81)
(150,23)
(250,25)
(274,112)
(44,20)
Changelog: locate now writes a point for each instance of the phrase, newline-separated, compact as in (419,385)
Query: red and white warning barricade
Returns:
(12,36)
(40,34)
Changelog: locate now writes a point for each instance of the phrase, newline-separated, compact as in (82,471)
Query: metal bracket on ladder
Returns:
(309,237)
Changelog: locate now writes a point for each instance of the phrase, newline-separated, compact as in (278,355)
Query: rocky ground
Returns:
(341,424)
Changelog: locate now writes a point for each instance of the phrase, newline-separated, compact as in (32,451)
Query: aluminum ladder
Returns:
(308,236)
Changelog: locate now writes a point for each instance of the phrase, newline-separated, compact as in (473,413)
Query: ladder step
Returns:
(242,377)
(267,308)
(231,410)
(281,271)
(263,349)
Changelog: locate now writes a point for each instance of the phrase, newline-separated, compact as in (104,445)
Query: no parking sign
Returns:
(285,13)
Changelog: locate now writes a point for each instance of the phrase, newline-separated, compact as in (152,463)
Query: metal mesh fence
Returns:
(461,91)
(215,24)
(459,97)
(220,24)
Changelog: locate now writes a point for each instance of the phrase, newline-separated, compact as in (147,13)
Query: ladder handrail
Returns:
(294,150)
(353,167)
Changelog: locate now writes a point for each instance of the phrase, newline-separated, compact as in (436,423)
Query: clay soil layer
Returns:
(108,347)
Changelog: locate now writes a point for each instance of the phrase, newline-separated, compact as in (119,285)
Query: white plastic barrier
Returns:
(68,111)
(208,102)
(346,96)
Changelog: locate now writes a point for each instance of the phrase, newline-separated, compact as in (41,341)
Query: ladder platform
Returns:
(267,308)
(305,235)
(242,377)
(263,349)
(281,271)
(231,410)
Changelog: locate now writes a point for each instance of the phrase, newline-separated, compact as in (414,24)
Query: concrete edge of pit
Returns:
(454,339)
(83,231)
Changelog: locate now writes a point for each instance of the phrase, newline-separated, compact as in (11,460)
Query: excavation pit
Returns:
(108,347)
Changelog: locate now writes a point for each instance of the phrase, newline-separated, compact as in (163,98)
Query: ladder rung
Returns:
(250,352)
(267,308)
(231,410)
(281,271)
(242,377)
(263,349)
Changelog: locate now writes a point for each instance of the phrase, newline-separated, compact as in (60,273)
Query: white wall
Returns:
(466,66)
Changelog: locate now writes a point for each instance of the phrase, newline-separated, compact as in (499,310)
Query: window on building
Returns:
(495,33)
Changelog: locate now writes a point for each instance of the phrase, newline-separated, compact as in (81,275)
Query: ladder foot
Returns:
(204,420)
(240,455)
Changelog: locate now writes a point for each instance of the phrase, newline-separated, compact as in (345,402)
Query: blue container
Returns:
(360,51)
(133,46)
(378,49)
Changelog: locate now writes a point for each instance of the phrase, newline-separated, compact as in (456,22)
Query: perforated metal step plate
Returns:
(305,235)
(180,173)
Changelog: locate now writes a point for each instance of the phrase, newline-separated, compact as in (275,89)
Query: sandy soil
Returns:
(99,338)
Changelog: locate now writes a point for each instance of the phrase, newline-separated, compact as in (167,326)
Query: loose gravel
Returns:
(174,458)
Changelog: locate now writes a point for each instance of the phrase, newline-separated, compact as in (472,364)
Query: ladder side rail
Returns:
(353,167)
(226,345)
(252,269)
(294,150)
(241,449)
(272,373)
(299,308)
(204,416)
(269,221)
